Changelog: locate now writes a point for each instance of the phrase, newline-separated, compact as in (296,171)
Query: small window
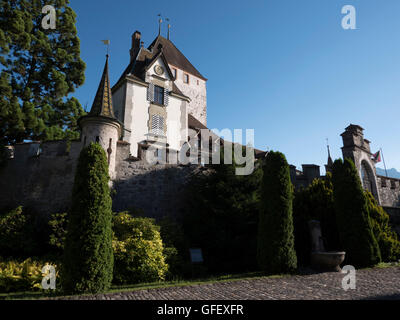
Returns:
(159,95)
(383,182)
(392,184)
(157,125)
(198,82)
(174,72)
(186,78)
(97,139)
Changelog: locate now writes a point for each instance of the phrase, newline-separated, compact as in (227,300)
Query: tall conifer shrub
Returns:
(352,216)
(88,257)
(275,252)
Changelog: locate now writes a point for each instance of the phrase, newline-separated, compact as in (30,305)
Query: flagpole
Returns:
(384,164)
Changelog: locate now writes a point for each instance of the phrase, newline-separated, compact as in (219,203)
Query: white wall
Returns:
(136,114)
(196,92)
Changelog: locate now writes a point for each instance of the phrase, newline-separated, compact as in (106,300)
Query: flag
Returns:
(377,157)
(106,42)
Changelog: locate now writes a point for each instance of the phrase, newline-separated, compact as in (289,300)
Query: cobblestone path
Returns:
(371,284)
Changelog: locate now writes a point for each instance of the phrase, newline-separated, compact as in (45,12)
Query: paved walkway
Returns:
(371,284)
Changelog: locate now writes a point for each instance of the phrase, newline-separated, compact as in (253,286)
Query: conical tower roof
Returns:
(102,105)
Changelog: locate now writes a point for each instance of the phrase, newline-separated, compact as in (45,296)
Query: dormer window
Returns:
(174,72)
(159,95)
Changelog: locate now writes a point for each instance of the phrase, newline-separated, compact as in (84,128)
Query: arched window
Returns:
(367,178)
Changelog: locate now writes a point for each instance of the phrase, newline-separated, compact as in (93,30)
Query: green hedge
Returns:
(221,218)
(386,237)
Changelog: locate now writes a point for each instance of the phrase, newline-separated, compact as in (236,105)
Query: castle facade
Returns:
(158,99)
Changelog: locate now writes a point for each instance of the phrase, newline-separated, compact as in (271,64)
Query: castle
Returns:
(158,99)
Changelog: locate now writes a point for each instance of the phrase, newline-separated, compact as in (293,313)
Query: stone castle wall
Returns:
(44,182)
(389,191)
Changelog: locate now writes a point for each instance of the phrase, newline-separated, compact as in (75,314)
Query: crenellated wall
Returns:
(389,191)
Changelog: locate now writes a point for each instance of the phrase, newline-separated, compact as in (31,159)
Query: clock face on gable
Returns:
(159,70)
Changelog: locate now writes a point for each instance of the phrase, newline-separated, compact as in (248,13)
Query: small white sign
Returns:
(196,255)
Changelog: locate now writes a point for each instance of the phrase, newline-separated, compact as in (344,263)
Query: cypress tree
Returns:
(88,257)
(352,216)
(275,252)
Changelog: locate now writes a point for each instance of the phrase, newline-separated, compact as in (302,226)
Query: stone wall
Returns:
(40,176)
(394,213)
(389,191)
(156,190)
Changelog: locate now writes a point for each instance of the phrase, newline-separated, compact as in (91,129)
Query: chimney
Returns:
(135,45)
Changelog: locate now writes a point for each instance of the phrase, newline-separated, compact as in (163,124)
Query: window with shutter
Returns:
(157,125)
(159,95)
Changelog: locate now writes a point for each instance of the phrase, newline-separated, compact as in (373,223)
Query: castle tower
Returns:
(100,125)
(358,149)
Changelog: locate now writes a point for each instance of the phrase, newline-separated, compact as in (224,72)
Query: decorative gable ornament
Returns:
(159,70)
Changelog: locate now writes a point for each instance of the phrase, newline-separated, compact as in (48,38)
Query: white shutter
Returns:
(150,92)
(166,97)
(157,125)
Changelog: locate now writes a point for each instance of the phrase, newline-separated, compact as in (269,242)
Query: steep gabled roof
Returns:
(194,123)
(137,69)
(102,104)
(174,56)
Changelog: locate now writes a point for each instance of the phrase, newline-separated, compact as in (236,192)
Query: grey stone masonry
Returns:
(41,176)
(389,191)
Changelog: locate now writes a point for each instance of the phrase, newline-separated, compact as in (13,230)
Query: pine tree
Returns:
(88,257)
(276,253)
(352,216)
(39,69)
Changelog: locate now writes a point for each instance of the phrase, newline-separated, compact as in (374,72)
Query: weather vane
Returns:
(107,43)
(169,29)
(159,24)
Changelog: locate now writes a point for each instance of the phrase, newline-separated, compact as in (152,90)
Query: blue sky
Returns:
(285,68)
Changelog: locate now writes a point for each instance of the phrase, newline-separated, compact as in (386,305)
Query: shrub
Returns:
(315,203)
(88,255)
(3,156)
(138,250)
(176,248)
(12,227)
(221,218)
(386,237)
(23,234)
(276,253)
(21,276)
(58,225)
(354,225)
